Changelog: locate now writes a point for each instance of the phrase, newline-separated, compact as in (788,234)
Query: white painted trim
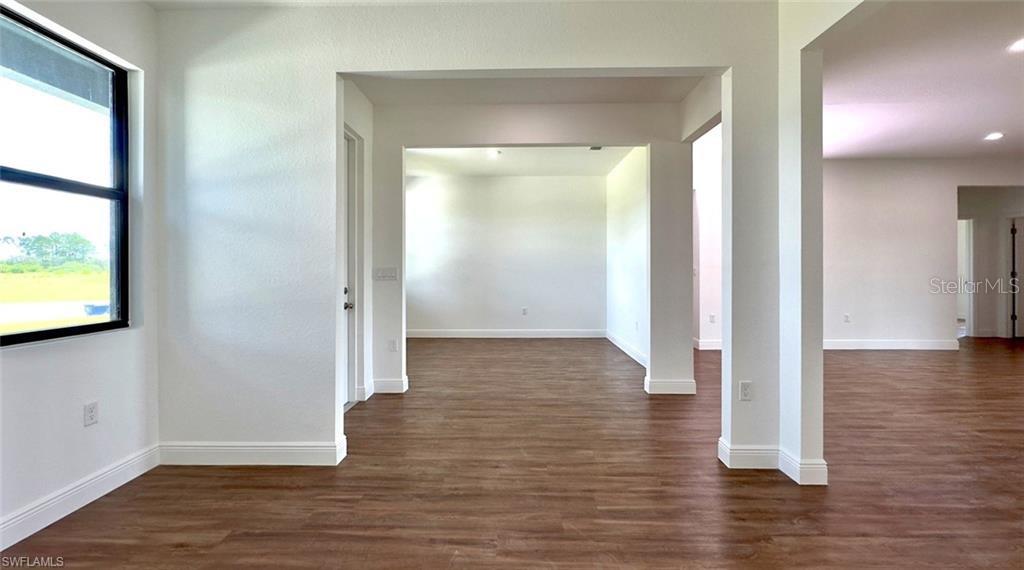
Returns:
(748,456)
(327,453)
(505,333)
(57,505)
(810,472)
(340,450)
(707,343)
(630,350)
(362,255)
(362,394)
(665,386)
(891,344)
(391,385)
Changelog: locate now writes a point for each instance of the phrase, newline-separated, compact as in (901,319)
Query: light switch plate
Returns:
(385,274)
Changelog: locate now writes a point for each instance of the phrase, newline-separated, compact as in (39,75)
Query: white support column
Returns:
(801,367)
(670,263)
(801,370)
(771,256)
(750,286)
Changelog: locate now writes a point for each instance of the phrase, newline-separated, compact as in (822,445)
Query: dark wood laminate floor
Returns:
(545,453)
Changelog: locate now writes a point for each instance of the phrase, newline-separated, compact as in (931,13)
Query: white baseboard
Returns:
(391,385)
(363,393)
(707,344)
(57,505)
(504,333)
(810,472)
(630,350)
(748,456)
(340,450)
(664,386)
(327,453)
(890,344)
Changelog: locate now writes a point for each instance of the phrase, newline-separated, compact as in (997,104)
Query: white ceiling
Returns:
(384,90)
(513,161)
(926,79)
(914,79)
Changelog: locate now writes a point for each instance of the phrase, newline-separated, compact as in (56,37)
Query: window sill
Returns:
(35,337)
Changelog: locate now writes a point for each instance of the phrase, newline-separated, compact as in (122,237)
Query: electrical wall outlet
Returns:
(393,345)
(746,391)
(526,310)
(90,413)
(636,325)
(846,318)
(712,318)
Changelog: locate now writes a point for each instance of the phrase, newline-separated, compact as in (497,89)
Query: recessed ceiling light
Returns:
(1016,47)
(993,136)
(493,153)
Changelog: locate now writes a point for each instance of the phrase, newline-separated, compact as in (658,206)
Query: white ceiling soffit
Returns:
(513,161)
(382,90)
(926,79)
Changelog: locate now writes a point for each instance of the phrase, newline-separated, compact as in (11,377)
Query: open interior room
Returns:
(511,284)
(515,241)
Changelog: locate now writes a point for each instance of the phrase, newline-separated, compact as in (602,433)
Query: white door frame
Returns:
(355,198)
(969,274)
(1004,230)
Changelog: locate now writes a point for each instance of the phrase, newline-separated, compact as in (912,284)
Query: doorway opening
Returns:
(707,239)
(992,287)
(528,242)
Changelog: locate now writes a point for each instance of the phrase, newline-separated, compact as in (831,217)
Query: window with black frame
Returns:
(63,187)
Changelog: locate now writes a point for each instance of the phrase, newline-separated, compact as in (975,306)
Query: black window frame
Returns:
(117,193)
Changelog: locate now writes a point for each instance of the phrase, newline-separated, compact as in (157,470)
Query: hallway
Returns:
(521,453)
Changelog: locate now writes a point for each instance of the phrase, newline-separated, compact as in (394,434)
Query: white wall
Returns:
(991,210)
(707,185)
(45,449)
(628,324)
(481,248)
(890,228)
(248,115)
(249,123)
